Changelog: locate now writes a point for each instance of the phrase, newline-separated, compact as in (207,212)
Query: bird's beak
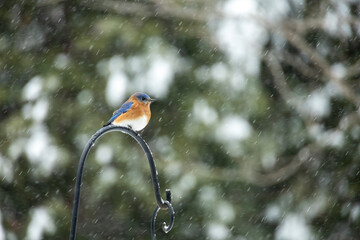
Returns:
(152,100)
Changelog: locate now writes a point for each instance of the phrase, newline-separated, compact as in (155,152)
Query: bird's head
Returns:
(143,98)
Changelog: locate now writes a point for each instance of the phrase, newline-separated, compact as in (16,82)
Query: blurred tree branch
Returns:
(251,176)
(294,61)
(154,8)
(313,56)
(309,24)
(353,70)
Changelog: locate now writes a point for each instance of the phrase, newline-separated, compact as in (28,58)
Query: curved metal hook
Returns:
(165,228)
(160,202)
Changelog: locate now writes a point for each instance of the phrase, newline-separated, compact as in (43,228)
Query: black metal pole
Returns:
(160,202)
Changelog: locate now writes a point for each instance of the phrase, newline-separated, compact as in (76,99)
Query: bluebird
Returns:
(134,113)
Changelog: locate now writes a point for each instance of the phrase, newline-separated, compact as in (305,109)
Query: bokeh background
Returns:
(256,129)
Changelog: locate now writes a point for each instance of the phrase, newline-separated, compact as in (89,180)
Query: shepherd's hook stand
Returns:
(161,204)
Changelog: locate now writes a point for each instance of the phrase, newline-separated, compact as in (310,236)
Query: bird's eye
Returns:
(143,98)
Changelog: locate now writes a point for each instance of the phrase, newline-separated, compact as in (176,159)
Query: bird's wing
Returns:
(123,109)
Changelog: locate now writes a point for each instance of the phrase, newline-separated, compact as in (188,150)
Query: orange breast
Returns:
(137,110)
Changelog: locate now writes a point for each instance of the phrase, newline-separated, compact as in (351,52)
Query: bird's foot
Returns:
(129,127)
(139,132)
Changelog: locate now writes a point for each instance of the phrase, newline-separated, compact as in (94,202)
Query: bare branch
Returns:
(246,175)
(297,41)
(353,70)
(151,9)
(304,25)
(320,61)
(298,64)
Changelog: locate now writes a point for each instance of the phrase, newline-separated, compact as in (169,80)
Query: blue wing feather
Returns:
(123,109)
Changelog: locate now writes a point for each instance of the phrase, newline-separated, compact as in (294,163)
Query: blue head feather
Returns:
(142,97)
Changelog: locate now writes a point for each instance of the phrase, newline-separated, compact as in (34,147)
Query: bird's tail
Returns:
(107,124)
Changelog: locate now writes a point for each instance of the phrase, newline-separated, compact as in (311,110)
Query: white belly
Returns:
(136,124)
